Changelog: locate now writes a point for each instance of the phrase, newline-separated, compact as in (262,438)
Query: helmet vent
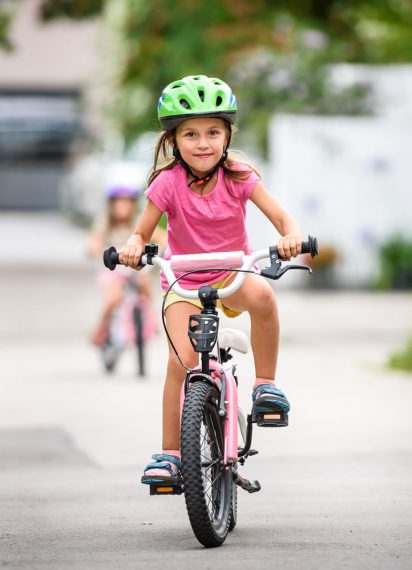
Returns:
(201,95)
(218,101)
(184,103)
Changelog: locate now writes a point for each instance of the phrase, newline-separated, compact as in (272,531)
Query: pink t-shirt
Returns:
(202,224)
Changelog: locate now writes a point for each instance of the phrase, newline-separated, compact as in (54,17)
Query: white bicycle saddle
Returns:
(232,338)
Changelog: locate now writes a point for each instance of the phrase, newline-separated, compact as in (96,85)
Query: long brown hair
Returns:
(165,160)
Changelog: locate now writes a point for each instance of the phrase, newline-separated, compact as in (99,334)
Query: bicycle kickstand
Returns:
(249,486)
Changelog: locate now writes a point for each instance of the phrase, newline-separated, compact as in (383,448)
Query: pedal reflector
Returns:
(158,489)
(270,419)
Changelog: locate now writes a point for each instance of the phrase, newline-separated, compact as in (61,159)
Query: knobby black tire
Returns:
(208,505)
(233,509)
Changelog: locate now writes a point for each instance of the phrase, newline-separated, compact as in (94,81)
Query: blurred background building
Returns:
(51,93)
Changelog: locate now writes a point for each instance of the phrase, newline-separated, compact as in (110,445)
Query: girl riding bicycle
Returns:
(203,189)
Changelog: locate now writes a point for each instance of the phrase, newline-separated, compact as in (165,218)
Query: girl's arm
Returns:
(291,241)
(130,254)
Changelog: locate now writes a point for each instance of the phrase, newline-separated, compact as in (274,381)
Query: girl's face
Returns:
(201,143)
(122,210)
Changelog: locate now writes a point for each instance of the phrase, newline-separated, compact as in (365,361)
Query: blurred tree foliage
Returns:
(274,54)
(75,9)
(5,21)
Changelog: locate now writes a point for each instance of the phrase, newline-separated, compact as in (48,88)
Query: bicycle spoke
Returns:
(213,503)
(212,483)
(209,465)
(209,478)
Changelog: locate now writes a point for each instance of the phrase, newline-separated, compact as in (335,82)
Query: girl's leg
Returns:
(113,296)
(257,297)
(144,285)
(177,318)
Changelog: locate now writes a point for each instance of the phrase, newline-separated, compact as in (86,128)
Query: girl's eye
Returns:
(214,132)
(190,134)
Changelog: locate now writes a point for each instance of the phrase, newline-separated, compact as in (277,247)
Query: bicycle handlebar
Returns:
(221,260)
(310,246)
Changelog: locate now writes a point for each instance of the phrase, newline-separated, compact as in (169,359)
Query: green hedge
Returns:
(403,360)
(395,260)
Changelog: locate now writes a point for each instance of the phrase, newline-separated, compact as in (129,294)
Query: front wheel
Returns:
(207,482)
(110,354)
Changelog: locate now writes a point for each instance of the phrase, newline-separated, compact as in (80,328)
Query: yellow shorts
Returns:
(175,298)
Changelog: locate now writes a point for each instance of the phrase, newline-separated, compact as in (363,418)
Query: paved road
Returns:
(336,485)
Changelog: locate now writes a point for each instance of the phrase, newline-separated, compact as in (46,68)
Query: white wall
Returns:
(348,180)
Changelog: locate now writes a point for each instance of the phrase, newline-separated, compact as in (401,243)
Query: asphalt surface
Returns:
(336,484)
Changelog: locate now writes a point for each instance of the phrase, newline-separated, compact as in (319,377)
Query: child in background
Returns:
(203,190)
(114,227)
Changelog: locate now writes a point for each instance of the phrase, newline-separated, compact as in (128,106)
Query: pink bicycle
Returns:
(210,417)
(131,325)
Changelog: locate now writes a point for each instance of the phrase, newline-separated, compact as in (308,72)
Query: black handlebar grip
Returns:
(310,246)
(111,258)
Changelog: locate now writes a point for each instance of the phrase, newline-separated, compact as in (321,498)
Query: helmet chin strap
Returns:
(199,180)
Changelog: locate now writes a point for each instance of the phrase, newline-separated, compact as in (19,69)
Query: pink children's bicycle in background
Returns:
(210,417)
(132,324)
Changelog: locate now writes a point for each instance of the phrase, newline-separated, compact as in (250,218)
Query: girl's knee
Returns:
(263,300)
(174,366)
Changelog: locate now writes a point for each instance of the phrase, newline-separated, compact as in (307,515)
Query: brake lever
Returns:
(283,270)
(275,271)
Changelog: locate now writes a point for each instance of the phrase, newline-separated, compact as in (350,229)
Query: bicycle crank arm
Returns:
(249,486)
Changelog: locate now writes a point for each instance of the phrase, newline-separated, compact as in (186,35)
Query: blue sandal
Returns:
(162,462)
(266,397)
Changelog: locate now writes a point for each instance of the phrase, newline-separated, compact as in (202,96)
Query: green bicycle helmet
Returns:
(196,96)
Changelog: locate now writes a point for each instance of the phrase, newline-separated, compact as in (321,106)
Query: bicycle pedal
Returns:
(271,419)
(163,489)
